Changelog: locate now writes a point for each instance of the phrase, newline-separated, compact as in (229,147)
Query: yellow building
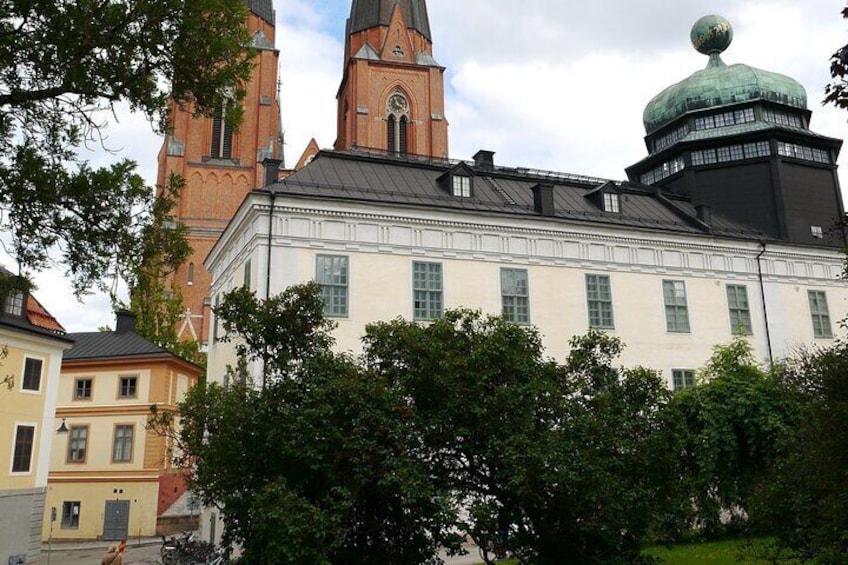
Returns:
(110,477)
(31,346)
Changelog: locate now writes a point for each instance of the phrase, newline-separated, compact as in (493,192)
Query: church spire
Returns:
(367,14)
(392,96)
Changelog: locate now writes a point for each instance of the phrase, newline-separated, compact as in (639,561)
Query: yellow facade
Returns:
(108,456)
(25,405)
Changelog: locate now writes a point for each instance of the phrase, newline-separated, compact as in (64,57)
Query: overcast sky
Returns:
(549,84)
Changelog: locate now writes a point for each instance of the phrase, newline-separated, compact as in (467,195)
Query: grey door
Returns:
(116,520)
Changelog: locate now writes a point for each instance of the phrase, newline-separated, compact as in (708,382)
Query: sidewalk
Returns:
(97,544)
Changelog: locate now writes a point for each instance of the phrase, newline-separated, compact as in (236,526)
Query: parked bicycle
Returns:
(186,550)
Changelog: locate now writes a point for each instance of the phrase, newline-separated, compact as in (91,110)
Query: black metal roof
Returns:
(365,14)
(262,8)
(102,345)
(379,178)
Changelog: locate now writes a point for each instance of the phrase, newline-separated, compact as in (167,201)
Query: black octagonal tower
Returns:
(737,139)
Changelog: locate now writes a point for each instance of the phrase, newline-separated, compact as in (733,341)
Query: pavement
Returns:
(145,551)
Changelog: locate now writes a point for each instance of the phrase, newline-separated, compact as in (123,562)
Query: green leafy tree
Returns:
(555,463)
(806,500)
(321,464)
(735,419)
(64,67)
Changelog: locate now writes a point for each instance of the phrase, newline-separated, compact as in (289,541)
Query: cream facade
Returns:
(380,244)
(29,379)
(110,477)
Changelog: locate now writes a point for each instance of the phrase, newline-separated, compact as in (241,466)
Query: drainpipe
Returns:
(763,297)
(268,276)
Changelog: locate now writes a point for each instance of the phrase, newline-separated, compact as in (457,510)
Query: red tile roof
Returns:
(41,318)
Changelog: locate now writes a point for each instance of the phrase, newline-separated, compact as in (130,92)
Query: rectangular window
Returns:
(331,272)
(70,515)
(682,378)
(22,456)
(247,275)
(77,444)
(427,290)
(14,304)
(462,186)
(820,314)
(740,312)
(599,299)
(515,295)
(122,448)
(82,389)
(611,202)
(676,308)
(128,387)
(32,374)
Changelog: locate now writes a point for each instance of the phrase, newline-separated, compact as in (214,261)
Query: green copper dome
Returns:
(719,84)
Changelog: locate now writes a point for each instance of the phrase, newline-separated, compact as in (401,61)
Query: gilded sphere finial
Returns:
(711,34)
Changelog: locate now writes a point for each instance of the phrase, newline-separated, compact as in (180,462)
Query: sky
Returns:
(548,84)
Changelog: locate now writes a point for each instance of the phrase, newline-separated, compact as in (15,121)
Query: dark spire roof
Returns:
(262,8)
(365,14)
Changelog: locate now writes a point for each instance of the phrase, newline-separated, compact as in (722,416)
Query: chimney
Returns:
(272,170)
(125,322)
(704,213)
(484,160)
(543,199)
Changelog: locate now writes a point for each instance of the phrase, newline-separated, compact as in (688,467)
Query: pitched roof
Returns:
(365,14)
(360,176)
(35,318)
(103,345)
(262,8)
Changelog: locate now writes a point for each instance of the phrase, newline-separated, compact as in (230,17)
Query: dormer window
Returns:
(14,304)
(817,232)
(461,186)
(612,202)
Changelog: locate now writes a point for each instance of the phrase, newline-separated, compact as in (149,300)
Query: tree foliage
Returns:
(836,92)
(64,68)
(734,419)
(555,463)
(321,464)
(807,495)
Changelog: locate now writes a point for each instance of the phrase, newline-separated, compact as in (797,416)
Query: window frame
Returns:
(612,202)
(13,304)
(684,373)
(600,300)
(68,507)
(25,376)
(461,186)
(328,287)
(817,298)
(511,312)
(128,454)
(734,308)
(676,308)
(73,447)
(75,396)
(121,379)
(18,442)
(432,299)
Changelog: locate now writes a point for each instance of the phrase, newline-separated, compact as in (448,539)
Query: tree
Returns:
(321,464)
(735,419)
(836,92)
(64,66)
(555,463)
(806,498)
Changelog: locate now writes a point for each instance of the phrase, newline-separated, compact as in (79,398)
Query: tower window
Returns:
(222,135)
(190,274)
(817,232)
(397,123)
(398,51)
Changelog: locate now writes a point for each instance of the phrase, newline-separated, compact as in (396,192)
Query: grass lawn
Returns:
(731,552)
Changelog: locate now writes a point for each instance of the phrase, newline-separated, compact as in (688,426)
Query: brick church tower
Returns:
(221,166)
(392,95)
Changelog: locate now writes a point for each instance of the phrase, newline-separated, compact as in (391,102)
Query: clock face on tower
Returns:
(397,104)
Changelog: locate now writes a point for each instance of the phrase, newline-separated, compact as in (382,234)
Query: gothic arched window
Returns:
(397,123)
